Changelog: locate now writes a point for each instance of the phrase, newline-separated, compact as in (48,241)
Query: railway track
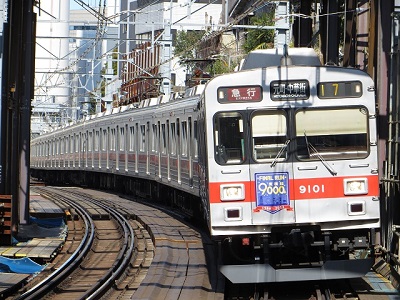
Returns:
(103,254)
(120,249)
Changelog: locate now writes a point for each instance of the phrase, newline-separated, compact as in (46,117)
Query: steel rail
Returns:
(48,284)
(123,259)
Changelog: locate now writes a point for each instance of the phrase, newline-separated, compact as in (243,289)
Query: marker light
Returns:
(356,208)
(233,214)
(232,192)
(355,186)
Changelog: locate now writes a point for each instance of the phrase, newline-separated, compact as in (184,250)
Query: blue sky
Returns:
(74,5)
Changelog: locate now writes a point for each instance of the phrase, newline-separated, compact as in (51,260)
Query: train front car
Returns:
(292,176)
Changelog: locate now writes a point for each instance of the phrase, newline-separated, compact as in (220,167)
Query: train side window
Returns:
(342,133)
(104,140)
(172,149)
(228,138)
(83,145)
(143,138)
(70,144)
(122,139)
(163,140)
(113,141)
(195,140)
(184,139)
(77,143)
(90,148)
(157,137)
(269,135)
(132,138)
(96,140)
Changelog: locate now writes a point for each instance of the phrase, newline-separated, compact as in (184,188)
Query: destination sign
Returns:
(239,94)
(283,90)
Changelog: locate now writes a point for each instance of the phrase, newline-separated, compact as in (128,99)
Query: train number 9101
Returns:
(316,188)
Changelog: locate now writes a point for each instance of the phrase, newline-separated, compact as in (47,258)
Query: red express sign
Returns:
(240,94)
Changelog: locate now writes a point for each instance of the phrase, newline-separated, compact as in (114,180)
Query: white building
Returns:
(71,55)
(51,64)
(74,51)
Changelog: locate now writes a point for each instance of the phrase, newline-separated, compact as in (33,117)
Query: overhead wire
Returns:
(104,21)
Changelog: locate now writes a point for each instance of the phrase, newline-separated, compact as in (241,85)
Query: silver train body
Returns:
(280,161)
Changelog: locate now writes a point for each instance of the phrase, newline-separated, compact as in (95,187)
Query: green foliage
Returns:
(115,61)
(220,66)
(185,43)
(92,104)
(114,66)
(260,38)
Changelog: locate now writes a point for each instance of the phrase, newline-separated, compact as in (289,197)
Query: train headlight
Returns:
(355,186)
(232,192)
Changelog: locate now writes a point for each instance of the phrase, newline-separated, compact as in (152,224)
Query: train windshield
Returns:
(269,136)
(319,134)
(228,138)
(332,133)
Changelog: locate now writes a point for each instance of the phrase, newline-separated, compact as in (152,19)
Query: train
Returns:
(279,159)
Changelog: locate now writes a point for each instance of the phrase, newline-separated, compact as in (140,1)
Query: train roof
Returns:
(272,57)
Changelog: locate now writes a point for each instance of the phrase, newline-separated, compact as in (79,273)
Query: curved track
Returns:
(66,278)
(167,259)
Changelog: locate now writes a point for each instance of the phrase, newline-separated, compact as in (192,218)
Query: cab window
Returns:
(269,136)
(332,133)
(228,138)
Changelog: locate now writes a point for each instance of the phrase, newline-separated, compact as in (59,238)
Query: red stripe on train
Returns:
(304,189)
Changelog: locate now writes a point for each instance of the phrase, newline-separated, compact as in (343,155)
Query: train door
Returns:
(103,143)
(270,170)
(154,159)
(159,148)
(117,136)
(85,148)
(98,147)
(190,151)
(147,147)
(51,153)
(136,137)
(46,153)
(126,147)
(75,138)
(178,150)
(58,159)
(107,144)
(168,144)
(78,149)
(91,148)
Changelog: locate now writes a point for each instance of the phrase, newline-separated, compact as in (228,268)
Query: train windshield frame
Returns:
(269,135)
(229,138)
(333,133)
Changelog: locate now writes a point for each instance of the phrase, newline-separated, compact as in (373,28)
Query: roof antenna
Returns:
(285,59)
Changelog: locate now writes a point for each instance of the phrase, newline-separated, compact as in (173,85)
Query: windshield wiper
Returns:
(280,153)
(324,162)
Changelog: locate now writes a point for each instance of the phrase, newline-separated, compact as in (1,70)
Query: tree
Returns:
(260,38)
(220,66)
(187,43)
(188,48)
